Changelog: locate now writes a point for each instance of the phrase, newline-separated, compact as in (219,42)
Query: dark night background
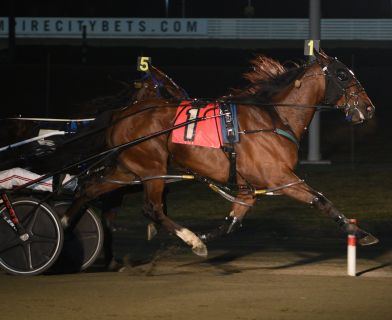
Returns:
(198,8)
(43,80)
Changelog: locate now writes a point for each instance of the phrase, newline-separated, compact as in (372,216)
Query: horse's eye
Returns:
(342,75)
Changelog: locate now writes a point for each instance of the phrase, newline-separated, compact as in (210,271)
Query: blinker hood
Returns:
(338,78)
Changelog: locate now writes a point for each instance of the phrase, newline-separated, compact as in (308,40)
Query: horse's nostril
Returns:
(369,109)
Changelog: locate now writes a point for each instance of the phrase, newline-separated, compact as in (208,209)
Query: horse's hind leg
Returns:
(233,221)
(153,209)
(152,227)
(93,190)
(304,193)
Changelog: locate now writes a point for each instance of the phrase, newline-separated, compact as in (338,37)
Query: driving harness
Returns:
(230,133)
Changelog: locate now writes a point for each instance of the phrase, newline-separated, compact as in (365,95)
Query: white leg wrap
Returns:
(151,231)
(64,222)
(192,240)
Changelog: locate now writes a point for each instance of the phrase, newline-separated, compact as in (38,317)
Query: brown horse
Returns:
(274,112)
(154,84)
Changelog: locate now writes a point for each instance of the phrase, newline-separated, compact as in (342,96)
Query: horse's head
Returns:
(157,84)
(344,91)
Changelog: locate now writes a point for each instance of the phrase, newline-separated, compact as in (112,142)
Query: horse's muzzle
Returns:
(356,114)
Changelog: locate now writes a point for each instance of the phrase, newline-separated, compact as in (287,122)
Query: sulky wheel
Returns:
(82,242)
(41,249)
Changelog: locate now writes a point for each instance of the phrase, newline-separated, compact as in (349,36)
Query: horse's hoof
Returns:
(200,250)
(151,231)
(368,240)
(198,247)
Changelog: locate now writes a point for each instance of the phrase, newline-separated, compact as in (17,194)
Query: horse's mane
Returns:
(264,68)
(267,78)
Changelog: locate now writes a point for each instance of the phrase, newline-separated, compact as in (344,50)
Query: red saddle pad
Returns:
(204,133)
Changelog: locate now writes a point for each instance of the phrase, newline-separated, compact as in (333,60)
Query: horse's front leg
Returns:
(304,193)
(153,209)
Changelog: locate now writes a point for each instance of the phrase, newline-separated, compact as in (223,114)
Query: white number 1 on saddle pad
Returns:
(204,133)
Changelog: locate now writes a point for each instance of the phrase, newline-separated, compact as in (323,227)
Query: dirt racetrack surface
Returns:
(302,280)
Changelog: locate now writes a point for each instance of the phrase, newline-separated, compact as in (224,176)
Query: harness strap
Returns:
(287,134)
(233,163)
(231,132)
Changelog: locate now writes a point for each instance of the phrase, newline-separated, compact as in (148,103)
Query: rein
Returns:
(203,101)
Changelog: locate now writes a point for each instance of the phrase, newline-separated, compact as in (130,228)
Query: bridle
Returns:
(338,80)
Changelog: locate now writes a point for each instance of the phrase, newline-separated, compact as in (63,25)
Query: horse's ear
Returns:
(156,71)
(151,68)
(321,55)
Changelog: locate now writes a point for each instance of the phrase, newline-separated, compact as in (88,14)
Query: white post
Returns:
(314,139)
(352,253)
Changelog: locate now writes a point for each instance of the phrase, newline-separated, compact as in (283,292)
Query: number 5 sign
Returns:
(311,46)
(143,63)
